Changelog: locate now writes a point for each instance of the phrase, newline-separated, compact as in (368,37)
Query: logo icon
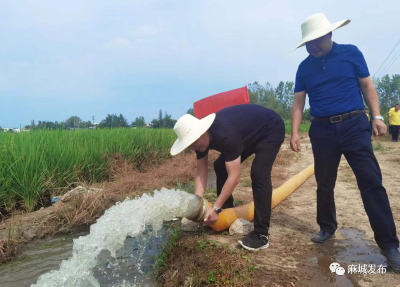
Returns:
(335,268)
(340,271)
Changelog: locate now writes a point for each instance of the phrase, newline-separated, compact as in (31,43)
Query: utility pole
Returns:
(93,119)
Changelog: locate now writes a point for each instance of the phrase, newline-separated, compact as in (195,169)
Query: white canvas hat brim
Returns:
(196,132)
(322,32)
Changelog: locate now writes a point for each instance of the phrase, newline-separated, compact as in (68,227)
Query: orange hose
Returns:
(229,215)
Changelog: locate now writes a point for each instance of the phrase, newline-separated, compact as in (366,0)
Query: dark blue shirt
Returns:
(331,82)
(238,129)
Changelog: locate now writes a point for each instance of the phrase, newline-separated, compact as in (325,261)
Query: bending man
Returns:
(236,132)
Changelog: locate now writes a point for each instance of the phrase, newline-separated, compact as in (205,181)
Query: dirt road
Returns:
(292,259)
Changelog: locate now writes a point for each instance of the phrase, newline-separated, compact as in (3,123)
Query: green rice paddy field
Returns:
(32,164)
(35,164)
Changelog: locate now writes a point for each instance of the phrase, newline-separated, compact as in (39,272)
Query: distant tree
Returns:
(190,111)
(280,99)
(114,121)
(306,115)
(163,122)
(284,93)
(1,129)
(155,124)
(168,122)
(139,122)
(85,125)
(160,118)
(32,126)
(72,122)
(388,89)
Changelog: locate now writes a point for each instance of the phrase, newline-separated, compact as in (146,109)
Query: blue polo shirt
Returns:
(331,82)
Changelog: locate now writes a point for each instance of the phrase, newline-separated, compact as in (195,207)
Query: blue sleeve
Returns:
(299,85)
(360,66)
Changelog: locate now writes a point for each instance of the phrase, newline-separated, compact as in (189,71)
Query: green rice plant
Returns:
(33,164)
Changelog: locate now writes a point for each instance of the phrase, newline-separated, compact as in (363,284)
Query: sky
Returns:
(92,58)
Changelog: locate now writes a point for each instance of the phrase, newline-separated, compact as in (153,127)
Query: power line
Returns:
(395,46)
(395,57)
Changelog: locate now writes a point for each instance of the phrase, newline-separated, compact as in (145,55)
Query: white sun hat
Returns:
(316,26)
(189,129)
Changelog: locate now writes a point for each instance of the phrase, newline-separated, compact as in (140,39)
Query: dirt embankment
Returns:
(292,258)
(86,208)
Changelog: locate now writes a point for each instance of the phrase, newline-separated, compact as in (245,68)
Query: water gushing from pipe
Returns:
(128,218)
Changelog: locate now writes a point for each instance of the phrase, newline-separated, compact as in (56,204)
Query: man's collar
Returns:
(334,51)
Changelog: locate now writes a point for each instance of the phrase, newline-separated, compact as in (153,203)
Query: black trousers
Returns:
(265,154)
(352,138)
(395,132)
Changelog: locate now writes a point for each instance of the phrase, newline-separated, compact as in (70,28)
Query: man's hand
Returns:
(379,127)
(295,142)
(211,217)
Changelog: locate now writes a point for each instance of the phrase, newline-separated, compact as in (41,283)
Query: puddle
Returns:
(358,250)
(352,250)
(337,280)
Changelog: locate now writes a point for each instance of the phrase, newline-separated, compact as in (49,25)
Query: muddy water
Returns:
(45,255)
(358,250)
(354,249)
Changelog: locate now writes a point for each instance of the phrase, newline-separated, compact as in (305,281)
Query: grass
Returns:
(172,240)
(304,128)
(377,146)
(198,261)
(8,246)
(35,163)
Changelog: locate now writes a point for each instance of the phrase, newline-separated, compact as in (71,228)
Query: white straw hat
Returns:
(316,26)
(189,129)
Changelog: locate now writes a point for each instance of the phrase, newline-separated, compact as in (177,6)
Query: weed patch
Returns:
(198,261)
(8,246)
(377,146)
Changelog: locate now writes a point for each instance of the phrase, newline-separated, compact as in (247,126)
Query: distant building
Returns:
(11,130)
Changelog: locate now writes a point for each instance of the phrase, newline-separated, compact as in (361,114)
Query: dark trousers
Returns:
(395,132)
(352,138)
(265,154)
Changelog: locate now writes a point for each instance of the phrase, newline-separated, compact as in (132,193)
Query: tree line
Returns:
(111,121)
(388,88)
(280,99)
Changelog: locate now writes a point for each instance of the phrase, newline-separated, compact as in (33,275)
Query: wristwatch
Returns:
(216,209)
(378,118)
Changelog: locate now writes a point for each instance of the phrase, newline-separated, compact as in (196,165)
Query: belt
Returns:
(339,118)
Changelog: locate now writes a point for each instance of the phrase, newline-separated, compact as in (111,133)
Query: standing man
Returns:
(335,77)
(390,126)
(237,132)
(394,122)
